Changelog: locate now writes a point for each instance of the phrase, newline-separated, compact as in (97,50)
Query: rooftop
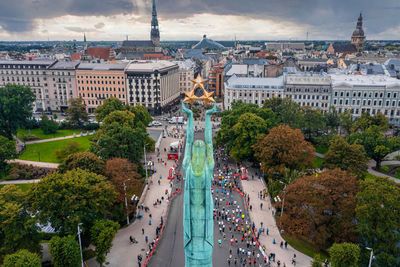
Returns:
(27,62)
(102,66)
(208,43)
(364,80)
(150,66)
(239,69)
(64,65)
(137,43)
(260,83)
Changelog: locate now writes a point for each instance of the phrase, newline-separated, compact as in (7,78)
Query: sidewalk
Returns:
(123,253)
(252,188)
(35,163)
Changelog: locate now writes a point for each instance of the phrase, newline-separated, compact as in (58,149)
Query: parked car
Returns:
(157,123)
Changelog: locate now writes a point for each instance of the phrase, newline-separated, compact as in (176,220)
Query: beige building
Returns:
(96,82)
(186,75)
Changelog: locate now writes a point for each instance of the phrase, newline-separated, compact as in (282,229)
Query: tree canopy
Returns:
(102,234)
(15,108)
(7,151)
(109,105)
(348,157)
(86,161)
(65,251)
(70,198)
(321,209)
(17,227)
(378,220)
(22,258)
(48,126)
(344,255)
(284,148)
(76,112)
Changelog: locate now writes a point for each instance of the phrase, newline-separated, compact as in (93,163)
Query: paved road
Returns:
(35,163)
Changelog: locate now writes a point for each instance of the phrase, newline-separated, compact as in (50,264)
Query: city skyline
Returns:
(113,20)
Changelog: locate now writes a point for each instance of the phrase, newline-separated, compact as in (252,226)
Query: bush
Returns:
(70,148)
(22,258)
(48,126)
(86,161)
(88,254)
(384,169)
(91,126)
(27,138)
(27,172)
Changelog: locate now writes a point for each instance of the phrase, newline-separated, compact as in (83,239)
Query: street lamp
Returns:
(126,204)
(371,257)
(80,242)
(283,202)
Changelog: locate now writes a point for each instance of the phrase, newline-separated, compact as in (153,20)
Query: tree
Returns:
(332,119)
(15,108)
(76,112)
(321,209)
(48,126)
(378,220)
(22,258)
(344,255)
(121,141)
(284,148)
(102,234)
(109,105)
(246,131)
(226,135)
(125,118)
(313,122)
(7,151)
(68,149)
(375,143)
(346,122)
(17,227)
(287,111)
(86,161)
(347,157)
(65,251)
(70,198)
(120,171)
(363,122)
(142,116)
(381,121)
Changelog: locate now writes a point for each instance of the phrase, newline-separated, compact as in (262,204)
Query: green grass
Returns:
(47,150)
(39,133)
(304,247)
(321,148)
(318,162)
(23,187)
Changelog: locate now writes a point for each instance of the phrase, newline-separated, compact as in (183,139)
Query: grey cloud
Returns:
(325,18)
(79,29)
(99,25)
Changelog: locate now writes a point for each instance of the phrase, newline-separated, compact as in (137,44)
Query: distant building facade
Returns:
(186,75)
(216,80)
(154,85)
(309,90)
(96,82)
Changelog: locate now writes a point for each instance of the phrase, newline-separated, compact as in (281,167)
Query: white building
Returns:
(313,90)
(367,93)
(153,84)
(252,90)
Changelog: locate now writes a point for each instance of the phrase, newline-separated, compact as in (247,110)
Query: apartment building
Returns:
(96,82)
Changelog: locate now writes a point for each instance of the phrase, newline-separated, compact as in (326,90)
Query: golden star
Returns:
(198,82)
(190,97)
(207,97)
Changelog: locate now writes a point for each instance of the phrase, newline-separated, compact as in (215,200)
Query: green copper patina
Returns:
(198,165)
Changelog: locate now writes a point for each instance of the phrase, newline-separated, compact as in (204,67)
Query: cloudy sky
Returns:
(190,19)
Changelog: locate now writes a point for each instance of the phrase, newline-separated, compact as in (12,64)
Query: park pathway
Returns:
(252,187)
(123,253)
(35,163)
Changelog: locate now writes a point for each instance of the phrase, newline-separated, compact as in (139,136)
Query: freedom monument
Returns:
(198,165)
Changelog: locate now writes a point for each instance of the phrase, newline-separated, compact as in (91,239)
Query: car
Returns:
(157,123)
(150,124)
(49,113)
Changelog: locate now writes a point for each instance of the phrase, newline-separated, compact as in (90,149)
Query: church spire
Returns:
(155,32)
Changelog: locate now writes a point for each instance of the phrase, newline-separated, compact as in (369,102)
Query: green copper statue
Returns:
(198,165)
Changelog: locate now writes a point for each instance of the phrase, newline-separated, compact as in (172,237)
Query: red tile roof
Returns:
(99,52)
(76,56)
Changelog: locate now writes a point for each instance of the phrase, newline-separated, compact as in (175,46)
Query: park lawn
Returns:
(23,187)
(304,247)
(321,148)
(318,162)
(39,133)
(47,150)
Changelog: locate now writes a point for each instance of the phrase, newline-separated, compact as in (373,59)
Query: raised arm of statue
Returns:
(208,134)
(189,135)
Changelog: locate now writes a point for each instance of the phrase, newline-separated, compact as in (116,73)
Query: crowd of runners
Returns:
(236,232)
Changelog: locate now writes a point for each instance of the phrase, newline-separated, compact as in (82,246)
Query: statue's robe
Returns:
(198,216)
